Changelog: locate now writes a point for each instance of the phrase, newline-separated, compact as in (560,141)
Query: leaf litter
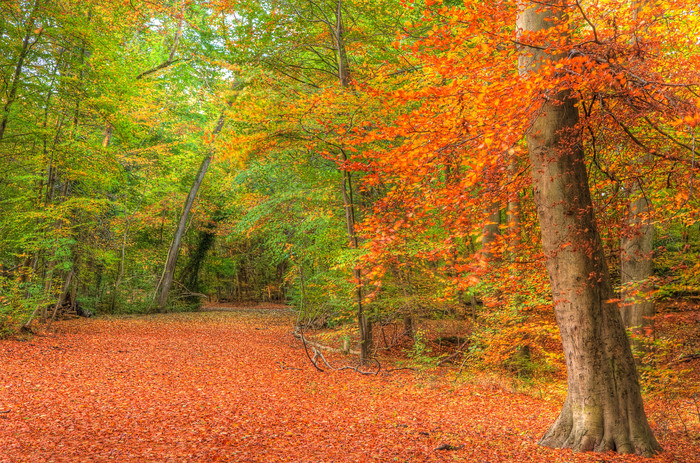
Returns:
(209,386)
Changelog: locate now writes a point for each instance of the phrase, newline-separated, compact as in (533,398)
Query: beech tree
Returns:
(603,409)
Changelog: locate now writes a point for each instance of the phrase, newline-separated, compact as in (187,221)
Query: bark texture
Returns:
(636,267)
(603,409)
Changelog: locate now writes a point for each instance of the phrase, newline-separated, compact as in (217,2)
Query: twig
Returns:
(26,324)
(357,369)
(318,353)
(316,348)
(585,18)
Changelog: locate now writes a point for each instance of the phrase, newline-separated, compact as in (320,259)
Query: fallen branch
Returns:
(317,353)
(456,354)
(318,346)
(26,326)
(449,447)
(687,358)
(357,369)
(317,349)
(306,349)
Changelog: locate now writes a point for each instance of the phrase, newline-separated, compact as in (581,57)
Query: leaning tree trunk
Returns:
(166,281)
(603,409)
(17,74)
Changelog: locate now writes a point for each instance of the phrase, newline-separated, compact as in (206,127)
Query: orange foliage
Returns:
(447,144)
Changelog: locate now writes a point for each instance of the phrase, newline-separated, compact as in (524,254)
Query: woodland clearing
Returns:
(236,386)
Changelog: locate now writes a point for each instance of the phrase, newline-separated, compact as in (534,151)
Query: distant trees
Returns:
(90,149)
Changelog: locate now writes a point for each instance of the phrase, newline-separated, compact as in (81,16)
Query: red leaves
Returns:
(235,387)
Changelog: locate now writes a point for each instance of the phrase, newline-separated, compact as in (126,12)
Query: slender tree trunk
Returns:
(169,270)
(636,260)
(636,267)
(603,409)
(190,273)
(17,75)
(61,297)
(513,212)
(490,232)
(120,271)
(339,38)
(364,325)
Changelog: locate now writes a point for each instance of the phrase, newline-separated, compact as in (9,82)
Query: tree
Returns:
(603,409)
(636,266)
(166,281)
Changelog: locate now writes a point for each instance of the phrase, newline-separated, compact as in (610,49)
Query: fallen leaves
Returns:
(210,387)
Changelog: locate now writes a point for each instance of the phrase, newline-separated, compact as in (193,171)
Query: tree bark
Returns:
(513,212)
(339,38)
(166,281)
(603,409)
(490,232)
(636,267)
(363,323)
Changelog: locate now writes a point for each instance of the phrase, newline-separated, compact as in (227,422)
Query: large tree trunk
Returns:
(603,409)
(636,267)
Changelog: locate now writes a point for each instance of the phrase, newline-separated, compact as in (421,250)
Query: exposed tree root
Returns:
(585,434)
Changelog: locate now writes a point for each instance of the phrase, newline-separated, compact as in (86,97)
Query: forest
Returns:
(349,230)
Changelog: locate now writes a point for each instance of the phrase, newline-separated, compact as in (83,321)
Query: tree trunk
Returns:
(339,38)
(166,281)
(61,297)
(490,232)
(636,267)
(190,274)
(16,76)
(513,212)
(603,409)
(364,325)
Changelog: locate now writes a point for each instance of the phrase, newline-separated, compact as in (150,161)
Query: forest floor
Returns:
(234,385)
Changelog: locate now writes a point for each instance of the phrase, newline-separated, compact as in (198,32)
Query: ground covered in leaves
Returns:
(236,386)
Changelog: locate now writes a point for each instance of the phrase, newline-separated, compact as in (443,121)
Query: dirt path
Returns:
(235,386)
